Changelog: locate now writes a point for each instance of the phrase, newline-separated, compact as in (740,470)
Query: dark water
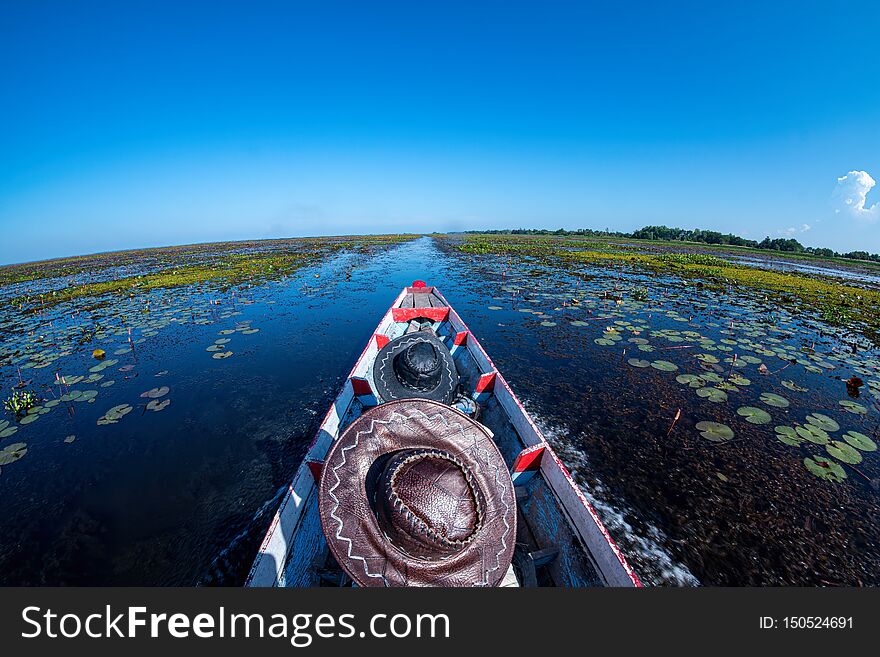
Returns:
(183,496)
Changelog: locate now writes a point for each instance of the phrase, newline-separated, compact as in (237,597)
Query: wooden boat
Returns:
(560,539)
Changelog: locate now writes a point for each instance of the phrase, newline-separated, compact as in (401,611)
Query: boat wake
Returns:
(643,548)
(231,565)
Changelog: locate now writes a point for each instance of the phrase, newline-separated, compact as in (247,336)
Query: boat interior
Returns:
(560,541)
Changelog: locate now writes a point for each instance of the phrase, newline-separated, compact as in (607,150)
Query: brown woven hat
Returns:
(414,493)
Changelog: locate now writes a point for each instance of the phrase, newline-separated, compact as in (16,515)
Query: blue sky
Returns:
(127,124)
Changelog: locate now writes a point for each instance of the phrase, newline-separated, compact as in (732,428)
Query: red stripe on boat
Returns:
(408,314)
(529,459)
(460,338)
(361,386)
(315,467)
(486,383)
(381,340)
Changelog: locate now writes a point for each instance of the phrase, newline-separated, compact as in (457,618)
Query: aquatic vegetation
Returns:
(825,469)
(638,362)
(814,434)
(228,264)
(6,430)
(836,302)
(753,415)
(664,366)
(155,393)
(691,380)
(843,452)
(712,394)
(21,401)
(12,453)
(860,441)
(715,431)
(823,422)
(853,407)
(788,435)
(115,414)
(772,399)
(156,405)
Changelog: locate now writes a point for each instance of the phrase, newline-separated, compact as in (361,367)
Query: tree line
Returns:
(665,233)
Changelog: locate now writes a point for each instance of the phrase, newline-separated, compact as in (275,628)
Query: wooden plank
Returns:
(408,301)
(421,301)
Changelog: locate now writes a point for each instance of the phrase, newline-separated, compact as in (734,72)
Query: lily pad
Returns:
(715,431)
(157,405)
(691,380)
(814,434)
(853,407)
(155,393)
(222,354)
(823,422)
(754,415)
(638,362)
(70,439)
(712,394)
(843,452)
(774,400)
(791,385)
(854,438)
(825,469)
(664,366)
(12,453)
(788,435)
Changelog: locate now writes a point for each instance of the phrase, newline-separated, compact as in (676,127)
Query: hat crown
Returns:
(418,366)
(431,506)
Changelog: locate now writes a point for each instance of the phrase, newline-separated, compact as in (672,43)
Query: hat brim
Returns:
(389,387)
(350,524)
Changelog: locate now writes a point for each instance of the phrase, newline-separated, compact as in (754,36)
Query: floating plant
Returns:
(788,435)
(156,405)
(664,366)
(854,438)
(12,453)
(637,362)
(754,415)
(155,393)
(843,452)
(774,400)
(715,431)
(712,394)
(814,434)
(222,354)
(825,469)
(853,407)
(823,422)
(115,414)
(691,380)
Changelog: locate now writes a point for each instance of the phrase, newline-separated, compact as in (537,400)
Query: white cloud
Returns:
(793,230)
(849,196)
